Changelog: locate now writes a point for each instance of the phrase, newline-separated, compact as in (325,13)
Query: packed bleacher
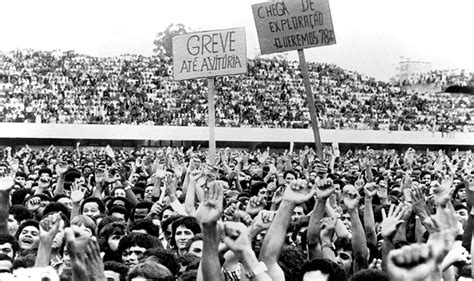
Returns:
(84,213)
(65,87)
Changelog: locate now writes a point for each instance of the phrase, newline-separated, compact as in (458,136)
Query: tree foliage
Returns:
(163,42)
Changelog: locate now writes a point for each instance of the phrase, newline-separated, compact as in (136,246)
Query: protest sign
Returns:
(293,25)
(209,54)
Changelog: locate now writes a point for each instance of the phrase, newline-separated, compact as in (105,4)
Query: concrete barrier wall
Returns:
(131,132)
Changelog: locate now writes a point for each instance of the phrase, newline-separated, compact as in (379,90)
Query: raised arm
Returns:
(60,169)
(323,189)
(208,214)
(49,227)
(369,221)
(296,194)
(351,199)
(6,184)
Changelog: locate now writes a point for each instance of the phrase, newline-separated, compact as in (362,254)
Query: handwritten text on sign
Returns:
(293,24)
(210,53)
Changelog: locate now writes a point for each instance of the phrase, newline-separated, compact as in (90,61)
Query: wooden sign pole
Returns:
(211,121)
(311,106)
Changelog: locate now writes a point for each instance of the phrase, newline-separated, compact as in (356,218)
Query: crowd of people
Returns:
(168,214)
(66,87)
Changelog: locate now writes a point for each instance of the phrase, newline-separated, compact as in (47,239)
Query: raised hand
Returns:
(328,226)
(391,222)
(6,184)
(370,190)
(298,192)
(255,205)
(195,175)
(376,264)
(61,168)
(419,202)
(160,171)
(50,226)
(236,236)
(351,197)
(77,193)
(100,176)
(210,210)
(413,262)
(263,220)
(323,189)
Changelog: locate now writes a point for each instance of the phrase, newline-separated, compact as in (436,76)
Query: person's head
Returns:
(166,226)
(55,207)
(168,212)
(141,210)
(298,212)
(289,176)
(92,207)
(20,178)
(8,245)
(133,246)
(139,193)
(164,257)
(65,200)
(194,245)
(119,192)
(16,215)
(28,235)
(322,270)
(6,263)
(145,226)
(148,193)
(150,270)
(38,209)
(370,275)
(85,223)
(461,213)
(119,212)
(115,271)
(291,261)
(259,189)
(110,236)
(344,254)
(182,230)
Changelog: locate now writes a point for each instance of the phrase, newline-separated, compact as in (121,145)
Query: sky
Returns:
(372,35)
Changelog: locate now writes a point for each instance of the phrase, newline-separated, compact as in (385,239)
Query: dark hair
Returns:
(151,271)
(25,224)
(138,239)
(117,267)
(166,223)
(291,261)
(165,257)
(188,222)
(119,209)
(113,228)
(7,238)
(189,261)
(290,172)
(54,207)
(146,225)
(255,188)
(26,261)
(124,200)
(197,237)
(19,195)
(189,275)
(343,243)
(20,213)
(336,273)
(45,170)
(105,221)
(370,275)
(141,205)
(95,200)
(21,174)
(139,190)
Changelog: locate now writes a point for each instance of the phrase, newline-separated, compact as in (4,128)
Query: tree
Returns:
(163,42)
